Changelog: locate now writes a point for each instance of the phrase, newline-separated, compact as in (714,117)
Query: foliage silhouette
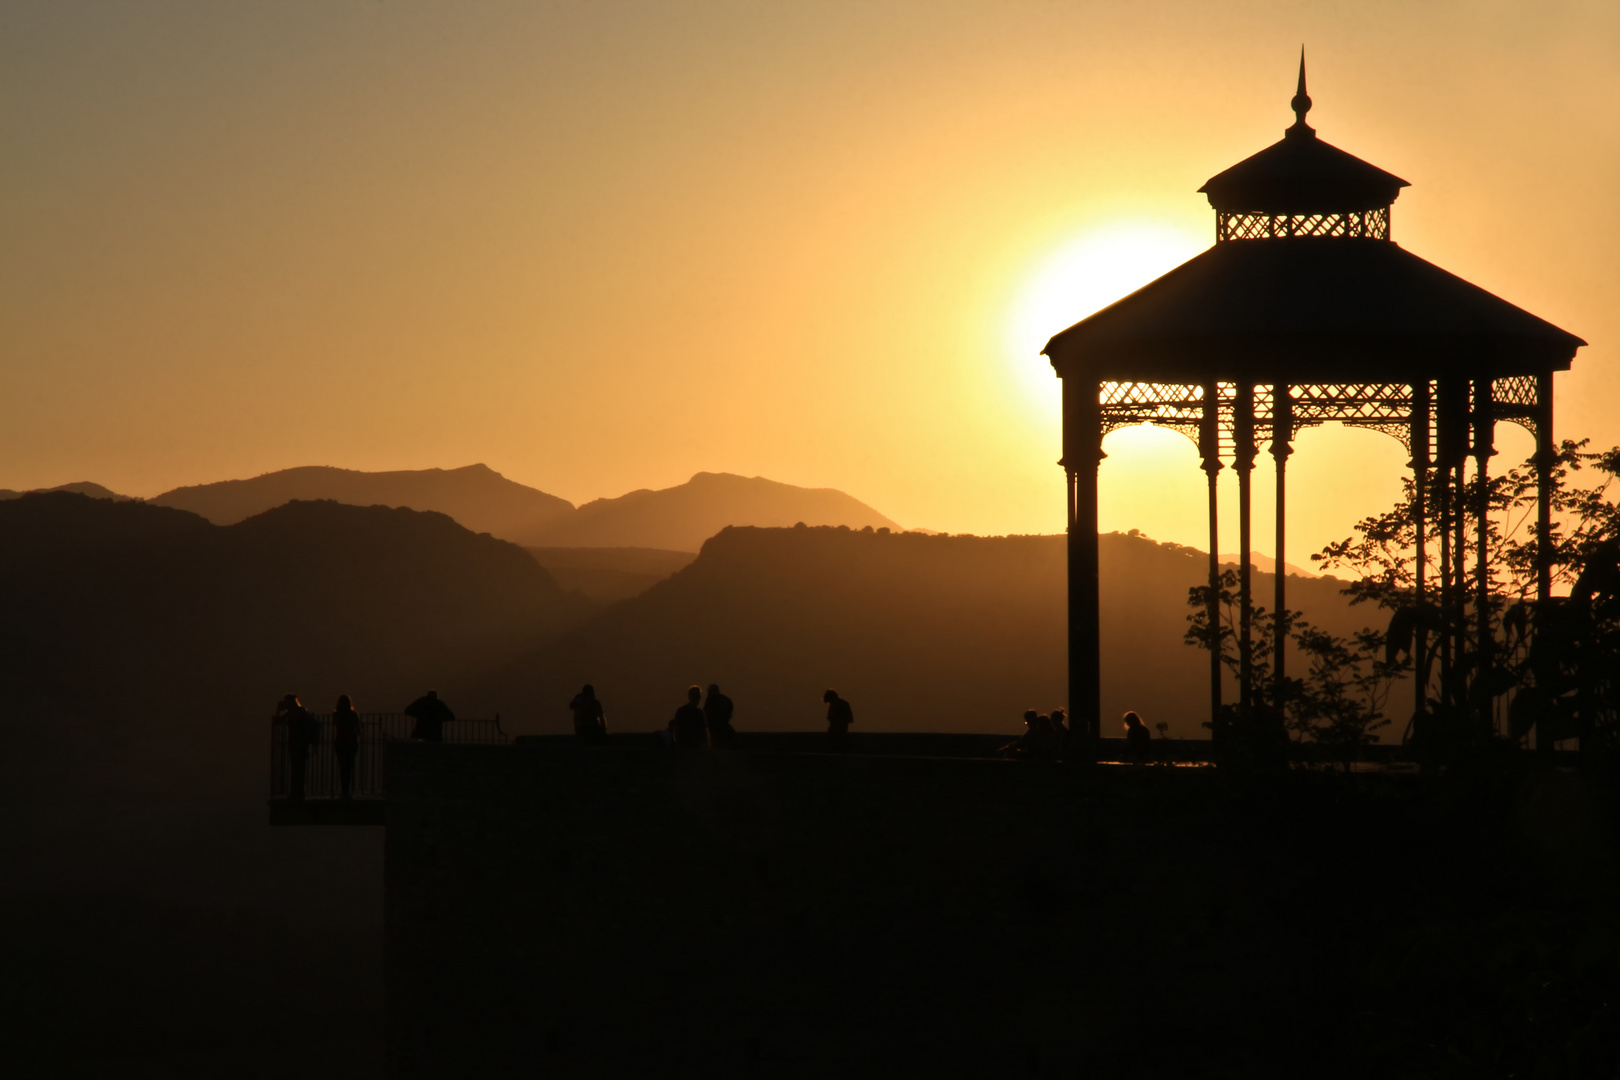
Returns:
(1547,666)
(1339,702)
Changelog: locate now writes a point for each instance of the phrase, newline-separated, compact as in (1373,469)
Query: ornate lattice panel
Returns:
(1173,405)
(1357,224)
(1385,407)
(1515,399)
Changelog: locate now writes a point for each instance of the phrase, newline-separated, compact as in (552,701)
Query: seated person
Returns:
(688,730)
(1035,742)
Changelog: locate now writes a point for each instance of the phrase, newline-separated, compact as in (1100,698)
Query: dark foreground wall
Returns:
(561,911)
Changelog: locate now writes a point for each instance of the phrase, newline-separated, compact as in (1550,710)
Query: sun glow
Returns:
(1084,275)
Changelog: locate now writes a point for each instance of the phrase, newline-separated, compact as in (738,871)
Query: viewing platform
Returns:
(914,906)
(322,803)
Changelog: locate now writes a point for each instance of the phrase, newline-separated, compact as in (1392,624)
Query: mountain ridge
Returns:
(677,518)
(683,517)
(80,487)
(477,496)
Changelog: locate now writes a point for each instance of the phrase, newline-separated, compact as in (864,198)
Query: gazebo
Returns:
(1304,311)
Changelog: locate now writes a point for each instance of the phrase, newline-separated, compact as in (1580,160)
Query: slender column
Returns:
(1282,434)
(1243,436)
(1484,448)
(1082,455)
(1545,457)
(1209,448)
(1452,432)
(1444,476)
(1420,486)
(1459,547)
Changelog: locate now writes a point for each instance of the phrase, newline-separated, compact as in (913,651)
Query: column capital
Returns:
(1063,462)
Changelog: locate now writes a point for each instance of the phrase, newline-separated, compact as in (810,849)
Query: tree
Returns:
(1517,665)
(1338,703)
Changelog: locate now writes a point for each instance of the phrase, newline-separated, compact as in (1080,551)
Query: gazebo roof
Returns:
(1301,174)
(1293,305)
(1309,310)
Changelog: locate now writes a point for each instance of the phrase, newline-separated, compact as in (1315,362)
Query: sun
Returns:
(1084,274)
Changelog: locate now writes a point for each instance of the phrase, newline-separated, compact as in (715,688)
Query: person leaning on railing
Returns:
(430,715)
(302,733)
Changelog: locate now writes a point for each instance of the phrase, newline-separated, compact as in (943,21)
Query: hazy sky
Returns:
(602,246)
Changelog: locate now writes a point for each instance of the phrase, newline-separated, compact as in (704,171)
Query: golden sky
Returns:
(602,246)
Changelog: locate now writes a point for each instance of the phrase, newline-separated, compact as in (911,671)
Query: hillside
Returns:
(920,632)
(476,496)
(609,574)
(681,518)
(123,615)
(82,487)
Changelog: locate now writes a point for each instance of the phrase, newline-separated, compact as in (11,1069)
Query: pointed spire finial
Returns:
(1301,103)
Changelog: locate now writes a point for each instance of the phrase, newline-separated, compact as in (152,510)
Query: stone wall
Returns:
(559,910)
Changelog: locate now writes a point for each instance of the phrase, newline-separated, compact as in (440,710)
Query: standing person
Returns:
(430,715)
(688,728)
(839,717)
(590,722)
(345,743)
(717,710)
(1138,740)
(302,733)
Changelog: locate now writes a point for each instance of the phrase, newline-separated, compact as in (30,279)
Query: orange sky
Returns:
(605,246)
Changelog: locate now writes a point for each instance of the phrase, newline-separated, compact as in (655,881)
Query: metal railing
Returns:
(322,777)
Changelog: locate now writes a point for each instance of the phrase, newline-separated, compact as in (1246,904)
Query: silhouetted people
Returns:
(1060,731)
(590,723)
(688,730)
(345,743)
(302,733)
(1138,740)
(839,717)
(430,715)
(717,710)
(1037,740)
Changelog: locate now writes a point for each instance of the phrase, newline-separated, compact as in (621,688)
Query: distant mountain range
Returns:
(83,487)
(681,518)
(476,496)
(672,519)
